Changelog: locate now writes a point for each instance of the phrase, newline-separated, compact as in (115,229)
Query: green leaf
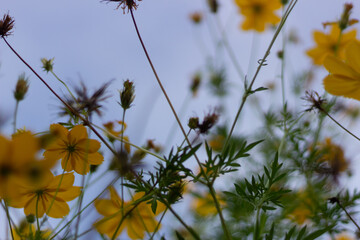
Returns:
(317,233)
(301,233)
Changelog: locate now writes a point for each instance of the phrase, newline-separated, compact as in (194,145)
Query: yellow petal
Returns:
(4,149)
(67,180)
(96,158)
(88,145)
(352,54)
(342,86)
(336,66)
(59,131)
(58,208)
(69,194)
(108,226)
(25,146)
(106,207)
(76,134)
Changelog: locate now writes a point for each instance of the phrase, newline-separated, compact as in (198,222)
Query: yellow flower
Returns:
(331,44)
(344,236)
(344,78)
(74,148)
(205,206)
(139,221)
(15,155)
(40,195)
(258,13)
(302,207)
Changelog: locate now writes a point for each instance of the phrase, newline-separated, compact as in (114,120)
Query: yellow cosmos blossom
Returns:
(330,44)
(15,156)
(139,221)
(74,148)
(37,197)
(300,214)
(258,13)
(205,206)
(344,78)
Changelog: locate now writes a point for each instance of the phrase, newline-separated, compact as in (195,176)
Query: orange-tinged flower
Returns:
(47,196)
(330,44)
(344,78)
(205,206)
(139,221)
(74,148)
(258,13)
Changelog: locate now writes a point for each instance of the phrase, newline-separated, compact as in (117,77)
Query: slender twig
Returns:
(337,200)
(261,64)
(339,124)
(158,225)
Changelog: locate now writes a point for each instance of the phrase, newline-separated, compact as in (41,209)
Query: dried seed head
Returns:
(208,122)
(47,64)
(21,88)
(125,4)
(316,102)
(127,95)
(6,25)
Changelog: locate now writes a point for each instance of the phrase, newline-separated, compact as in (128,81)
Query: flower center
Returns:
(257,8)
(39,192)
(71,148)
(5,171)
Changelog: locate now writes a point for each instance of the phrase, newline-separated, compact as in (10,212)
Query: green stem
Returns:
(158,225)
(71,94)
(218,208)
(15,115)
(8,218)
(36,213)
(345,129)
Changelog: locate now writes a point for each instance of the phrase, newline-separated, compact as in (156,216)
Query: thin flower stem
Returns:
(261,64)
(176,116)
(158,225)
(348,214)
(66,86)
(190,230)
(346,130)
(8,218)
(15,115)
(218,208)
(36,213)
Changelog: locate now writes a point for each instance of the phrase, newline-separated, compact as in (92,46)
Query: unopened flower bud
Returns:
(30,218)
(195,84)
(213,5)
(47,64)
(127,95)
(345,17)
(21,88)
(193,123)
